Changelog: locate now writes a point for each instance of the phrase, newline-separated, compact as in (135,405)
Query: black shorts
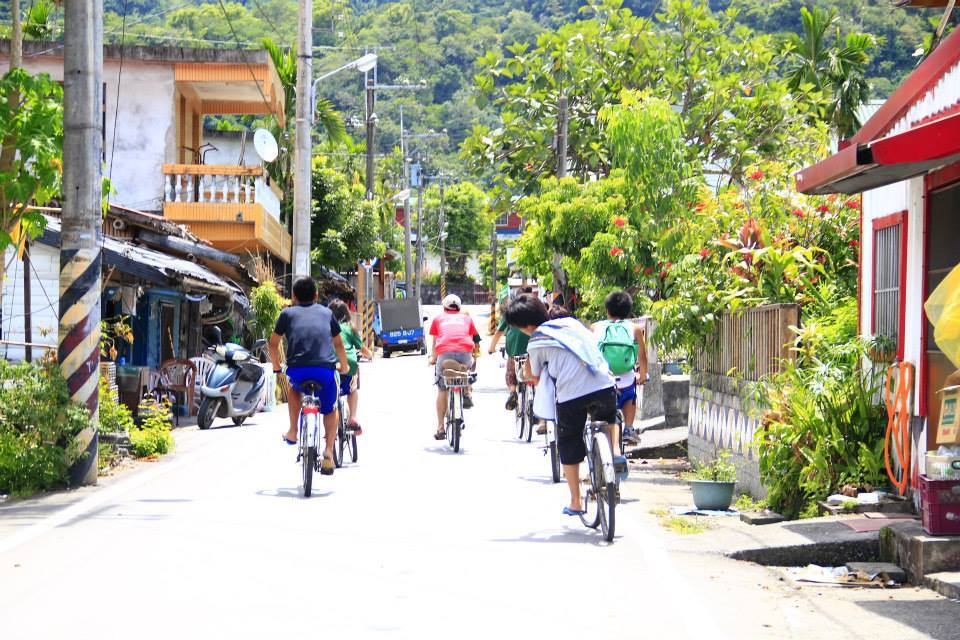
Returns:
(572,416)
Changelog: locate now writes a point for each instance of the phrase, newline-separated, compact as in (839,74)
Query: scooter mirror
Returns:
(259,344)
(217,334)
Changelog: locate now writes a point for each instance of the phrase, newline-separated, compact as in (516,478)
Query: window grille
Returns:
(887,282)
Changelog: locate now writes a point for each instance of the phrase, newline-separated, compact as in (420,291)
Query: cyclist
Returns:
(567,351)
(315,352)
(353,344)
(453,338)
(516,345)
(625,350)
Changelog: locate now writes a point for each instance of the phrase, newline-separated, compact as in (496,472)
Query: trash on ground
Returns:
(693,511)
(871,497)
(838,576)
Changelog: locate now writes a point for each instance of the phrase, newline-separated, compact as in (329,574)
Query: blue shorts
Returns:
(625,395)
(345,385)
(324,376)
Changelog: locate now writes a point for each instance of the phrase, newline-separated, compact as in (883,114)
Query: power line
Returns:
(116,107)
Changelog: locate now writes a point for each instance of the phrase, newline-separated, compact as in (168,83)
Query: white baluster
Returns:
(167,189)
(257,185)
(189,188)
(203,188)
(178,187)
(236,189)
(226,188)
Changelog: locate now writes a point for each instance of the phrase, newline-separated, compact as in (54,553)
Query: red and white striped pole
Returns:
(80,265)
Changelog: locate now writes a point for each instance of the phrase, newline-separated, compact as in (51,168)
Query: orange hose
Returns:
(898,422)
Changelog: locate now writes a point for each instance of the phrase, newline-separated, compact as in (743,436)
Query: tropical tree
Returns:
(468,221)
(831,73)
(344,227)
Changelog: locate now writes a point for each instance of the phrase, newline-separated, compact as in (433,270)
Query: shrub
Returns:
(718,470)
(115,417)
(152,436)
(266,303)
(38,422)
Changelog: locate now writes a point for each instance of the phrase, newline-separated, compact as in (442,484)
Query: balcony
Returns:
(232,207)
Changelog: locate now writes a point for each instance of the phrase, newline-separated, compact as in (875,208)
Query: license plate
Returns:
(402,341)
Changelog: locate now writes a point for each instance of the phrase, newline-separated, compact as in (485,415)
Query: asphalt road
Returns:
(413,541)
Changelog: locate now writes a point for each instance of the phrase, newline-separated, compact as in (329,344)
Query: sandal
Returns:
(440,435)
(354,427)
(327,466)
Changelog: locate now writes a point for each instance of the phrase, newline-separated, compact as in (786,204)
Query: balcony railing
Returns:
(219,184)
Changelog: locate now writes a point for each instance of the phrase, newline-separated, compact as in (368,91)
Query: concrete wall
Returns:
(720,420)
(431,262)
(44,301)
(146,126)
(228,149)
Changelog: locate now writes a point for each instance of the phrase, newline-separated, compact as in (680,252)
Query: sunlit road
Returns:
(413,540)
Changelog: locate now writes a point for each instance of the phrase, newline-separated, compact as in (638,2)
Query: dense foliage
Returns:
(344,226)
(151,436)
(468,223)
(38,422)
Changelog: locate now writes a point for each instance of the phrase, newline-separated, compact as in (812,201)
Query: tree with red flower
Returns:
(616,251)
(620,222)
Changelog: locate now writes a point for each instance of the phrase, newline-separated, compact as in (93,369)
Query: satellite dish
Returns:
(266,145)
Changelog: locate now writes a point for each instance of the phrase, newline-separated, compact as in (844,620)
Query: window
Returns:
(503,219)
(889,277)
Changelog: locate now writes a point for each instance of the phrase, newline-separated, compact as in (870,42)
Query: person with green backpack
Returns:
(623,347)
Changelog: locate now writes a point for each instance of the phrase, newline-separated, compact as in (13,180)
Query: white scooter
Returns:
(235,385)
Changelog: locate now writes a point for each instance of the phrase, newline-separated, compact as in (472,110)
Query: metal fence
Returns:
(469,293)
(750,345)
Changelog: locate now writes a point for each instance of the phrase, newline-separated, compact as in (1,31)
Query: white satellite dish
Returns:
(266,145)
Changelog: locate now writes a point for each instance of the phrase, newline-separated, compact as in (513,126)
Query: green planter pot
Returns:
(712,496)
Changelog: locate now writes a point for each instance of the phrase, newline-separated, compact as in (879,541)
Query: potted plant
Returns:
(713,482)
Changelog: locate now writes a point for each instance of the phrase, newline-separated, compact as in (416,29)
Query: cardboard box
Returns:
(948,431)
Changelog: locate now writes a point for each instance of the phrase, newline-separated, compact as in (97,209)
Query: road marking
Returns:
(97,499)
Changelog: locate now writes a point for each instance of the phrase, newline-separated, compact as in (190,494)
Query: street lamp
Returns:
(363,64)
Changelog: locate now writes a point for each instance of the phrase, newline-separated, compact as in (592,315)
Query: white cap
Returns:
(452,301)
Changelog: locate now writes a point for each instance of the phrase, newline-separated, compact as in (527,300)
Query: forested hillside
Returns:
(437,42)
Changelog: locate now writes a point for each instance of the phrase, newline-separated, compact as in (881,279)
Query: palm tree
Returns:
(328,119)
(833,76)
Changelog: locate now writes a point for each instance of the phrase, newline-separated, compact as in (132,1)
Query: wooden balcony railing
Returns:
(219,184)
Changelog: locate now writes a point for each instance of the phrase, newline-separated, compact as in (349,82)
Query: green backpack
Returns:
(618,348)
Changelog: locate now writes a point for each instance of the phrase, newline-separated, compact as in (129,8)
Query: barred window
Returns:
(888,266)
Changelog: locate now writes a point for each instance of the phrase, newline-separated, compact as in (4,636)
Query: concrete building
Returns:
(154,104)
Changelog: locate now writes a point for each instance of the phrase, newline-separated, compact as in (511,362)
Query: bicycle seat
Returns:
(311,387)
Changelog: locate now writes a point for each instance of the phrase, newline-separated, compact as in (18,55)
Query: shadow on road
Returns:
(290,493)
(569,536)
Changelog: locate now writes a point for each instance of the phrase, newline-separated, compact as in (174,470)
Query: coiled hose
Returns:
(899,413)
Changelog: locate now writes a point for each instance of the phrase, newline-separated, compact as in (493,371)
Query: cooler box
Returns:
(941,506)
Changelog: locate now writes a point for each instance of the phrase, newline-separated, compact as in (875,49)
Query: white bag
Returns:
(545,399)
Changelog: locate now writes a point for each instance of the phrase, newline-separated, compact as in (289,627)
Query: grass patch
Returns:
(685,526)
(746,502)
(660,513)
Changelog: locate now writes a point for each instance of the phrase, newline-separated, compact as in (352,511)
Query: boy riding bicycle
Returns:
(353,345)
(315,353)
(623,346)
(566,351)
(454,336)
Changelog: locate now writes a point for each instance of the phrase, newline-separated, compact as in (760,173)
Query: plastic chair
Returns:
(204,366)
(179,376)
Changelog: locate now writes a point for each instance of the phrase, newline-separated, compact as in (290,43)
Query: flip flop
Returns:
(567,511)
(327,466)
(440,435)
(290,442)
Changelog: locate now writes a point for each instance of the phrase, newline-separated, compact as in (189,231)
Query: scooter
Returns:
(234,387)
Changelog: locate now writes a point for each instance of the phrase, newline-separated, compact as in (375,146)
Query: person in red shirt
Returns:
(454,336)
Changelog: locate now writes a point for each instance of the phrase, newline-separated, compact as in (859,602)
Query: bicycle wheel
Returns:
(623,445)
(352,444)
(606,492)
(521,411)
(555,462)
(528,412)
(308,457)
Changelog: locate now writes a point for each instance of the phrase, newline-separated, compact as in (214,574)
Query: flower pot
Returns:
(712,496)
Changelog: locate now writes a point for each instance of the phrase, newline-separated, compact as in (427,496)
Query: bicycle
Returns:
(346,438)
(455,381)
(524,411)
(601,496)
(309,435)
(551,448)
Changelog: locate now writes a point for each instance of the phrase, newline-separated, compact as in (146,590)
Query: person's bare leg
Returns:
(442,396)
(294,399)
(572,473)
(352,400)
(330,431)
(613,434)
(629,413)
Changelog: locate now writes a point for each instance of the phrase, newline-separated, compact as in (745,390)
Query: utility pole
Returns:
(419,232)
(443,244)
(371,131)
(302,159)
(81,222)
(407,232)
(494,299)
